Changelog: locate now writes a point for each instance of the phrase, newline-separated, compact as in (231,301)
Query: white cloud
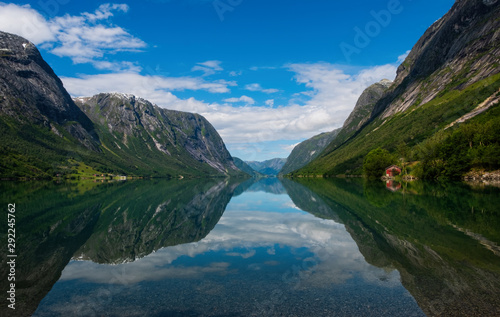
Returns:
(212,64)
(117,66)
(25,22)
(269,103)
(331,96)
(334,259)
(154,88)
(86,38)
(245,99)
(258,87)
(105,11)
(256,68)
(208,67)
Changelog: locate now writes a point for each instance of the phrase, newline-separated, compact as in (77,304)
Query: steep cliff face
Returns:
(32,93)
(43,133)
(452,73)
(458,50)
(307,151)
(130,126)
(35,108)
(364,106)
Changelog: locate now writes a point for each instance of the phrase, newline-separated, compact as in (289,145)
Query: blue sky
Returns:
(267,74)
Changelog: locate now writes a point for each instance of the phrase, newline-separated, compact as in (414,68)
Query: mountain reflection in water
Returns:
(259,248)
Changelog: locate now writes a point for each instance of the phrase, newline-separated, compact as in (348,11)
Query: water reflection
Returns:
(105,223)
(147,217)
(265,257)
(259,248)
(442,238)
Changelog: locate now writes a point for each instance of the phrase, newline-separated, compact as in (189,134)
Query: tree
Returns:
(403,152)
(376,161)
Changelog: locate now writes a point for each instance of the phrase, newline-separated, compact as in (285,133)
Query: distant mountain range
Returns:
(244,167)
(270,167)
(452,75)
(44,133)
(441,112)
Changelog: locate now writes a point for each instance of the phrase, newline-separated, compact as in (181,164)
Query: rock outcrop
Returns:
(32,94)
(457,51)
(44,133)
(364,106)
(132,126)
(308,150)
(451,75)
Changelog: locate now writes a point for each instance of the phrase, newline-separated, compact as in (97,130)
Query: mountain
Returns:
(143,136)
(308,150)
(452,73)
(44,133)
(270,167)
(244,167)
(39,122)
(364,106)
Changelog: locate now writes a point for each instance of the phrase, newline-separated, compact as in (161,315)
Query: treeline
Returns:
(447,154)
(452,154)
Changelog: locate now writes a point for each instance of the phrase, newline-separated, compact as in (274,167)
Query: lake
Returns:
(269,247)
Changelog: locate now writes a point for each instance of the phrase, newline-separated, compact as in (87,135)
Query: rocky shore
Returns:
(479,176)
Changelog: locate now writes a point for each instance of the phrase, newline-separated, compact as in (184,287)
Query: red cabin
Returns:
(392,171)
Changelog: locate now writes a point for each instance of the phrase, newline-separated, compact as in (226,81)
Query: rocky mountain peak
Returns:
(44,132)
(131,119)
(31,93)
(365,105)
(458,50)
(385,82)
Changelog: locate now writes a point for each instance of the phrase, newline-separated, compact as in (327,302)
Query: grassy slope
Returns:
(141,157)
(34,151)
(301,154)
(412,127)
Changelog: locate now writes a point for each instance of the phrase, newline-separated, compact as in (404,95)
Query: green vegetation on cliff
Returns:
(451,72)
(412,127)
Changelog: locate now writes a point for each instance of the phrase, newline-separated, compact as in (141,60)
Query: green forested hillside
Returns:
(411,128)
(452,72)
(45,134)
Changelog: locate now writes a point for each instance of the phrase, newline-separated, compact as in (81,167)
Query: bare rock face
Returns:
(132,125)
(364,106)
(43,132)
(31,93)
(458,50)
(360,115)
(307,151)
(457,58)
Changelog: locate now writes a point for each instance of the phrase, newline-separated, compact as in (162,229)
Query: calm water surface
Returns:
(257,248)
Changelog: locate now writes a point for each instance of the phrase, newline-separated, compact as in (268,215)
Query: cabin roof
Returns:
(392,167)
